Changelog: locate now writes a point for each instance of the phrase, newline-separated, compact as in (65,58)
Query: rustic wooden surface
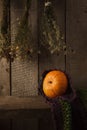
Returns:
(76,36)
(24,73)
(4,82)
(13,103)
(25,124)
(25,113)
(4,77)
(4,70)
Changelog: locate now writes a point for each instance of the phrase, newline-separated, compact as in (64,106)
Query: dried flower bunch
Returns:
(24,40)
(4,32)
(22,47)
(50,34)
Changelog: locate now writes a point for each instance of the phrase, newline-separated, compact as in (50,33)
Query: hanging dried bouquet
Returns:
(24,38)
(50,34)
(5,31)
(22,45)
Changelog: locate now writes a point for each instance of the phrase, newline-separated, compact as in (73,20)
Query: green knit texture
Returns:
(66,114)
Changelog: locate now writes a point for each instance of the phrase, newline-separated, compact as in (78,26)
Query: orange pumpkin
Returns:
(55,84)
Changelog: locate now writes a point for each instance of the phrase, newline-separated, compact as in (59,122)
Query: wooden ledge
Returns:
(15,103)
(18,107)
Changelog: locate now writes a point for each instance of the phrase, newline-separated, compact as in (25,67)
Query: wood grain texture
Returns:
(24,73)
(24,114)
(25,124)
(4,68)
(76,36)
(33,124)
(46,123)
(16,108)
(14,103)
(5,124)
(4,77)
(46,60)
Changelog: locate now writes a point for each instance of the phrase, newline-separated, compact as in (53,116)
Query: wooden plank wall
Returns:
(76,36)
(5,124)
(24,73)
(4,69)
(76,30)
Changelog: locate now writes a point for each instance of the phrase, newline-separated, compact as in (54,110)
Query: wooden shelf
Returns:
(14,103)
(19,107)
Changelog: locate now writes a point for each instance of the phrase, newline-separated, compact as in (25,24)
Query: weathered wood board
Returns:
(25,124)
(4,68)
(4,77)
(24,73)
(76,36)
(16,103)
(25,113)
